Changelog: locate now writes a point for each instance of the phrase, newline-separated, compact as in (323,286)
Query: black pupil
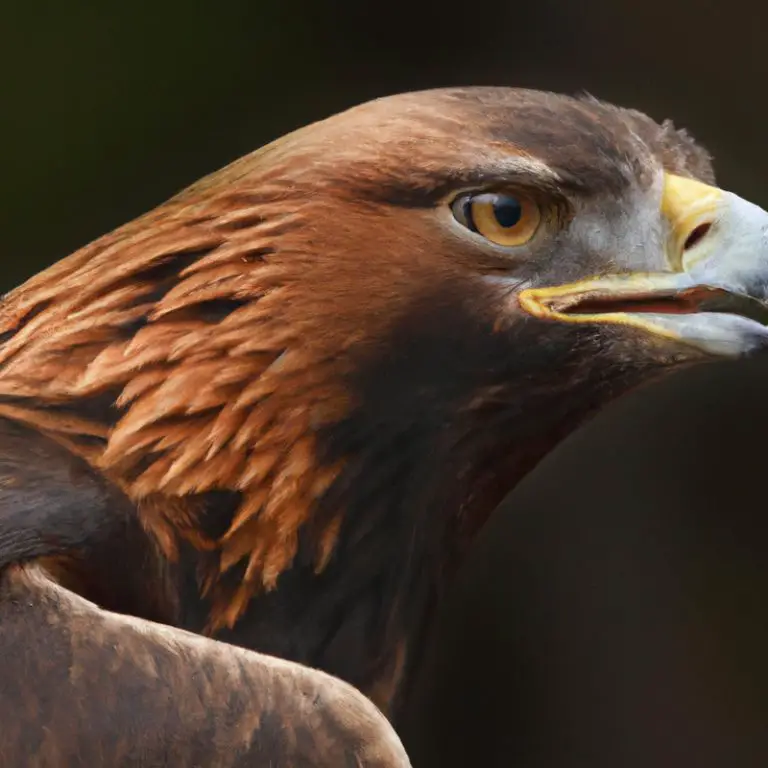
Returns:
(507,211)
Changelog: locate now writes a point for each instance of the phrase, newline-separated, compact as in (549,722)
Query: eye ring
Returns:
(502,218)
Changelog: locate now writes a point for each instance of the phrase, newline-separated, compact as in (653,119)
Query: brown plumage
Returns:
(82,686)
(314,383)
(91,688)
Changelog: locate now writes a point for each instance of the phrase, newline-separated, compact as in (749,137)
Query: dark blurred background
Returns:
(614,612)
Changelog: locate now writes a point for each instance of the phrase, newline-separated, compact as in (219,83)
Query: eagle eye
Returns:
(504,219)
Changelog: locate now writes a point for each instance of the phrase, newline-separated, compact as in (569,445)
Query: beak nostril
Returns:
(697,234)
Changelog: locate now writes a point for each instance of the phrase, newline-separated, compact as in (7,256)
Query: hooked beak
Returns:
(713,297)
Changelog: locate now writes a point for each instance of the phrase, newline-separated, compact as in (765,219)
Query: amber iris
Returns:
(504,219)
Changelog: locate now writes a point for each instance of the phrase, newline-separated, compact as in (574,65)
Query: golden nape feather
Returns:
(179,321)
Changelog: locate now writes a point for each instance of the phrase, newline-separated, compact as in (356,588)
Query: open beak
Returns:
(715,295)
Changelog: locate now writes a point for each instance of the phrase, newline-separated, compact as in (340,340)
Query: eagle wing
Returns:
(89,686)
